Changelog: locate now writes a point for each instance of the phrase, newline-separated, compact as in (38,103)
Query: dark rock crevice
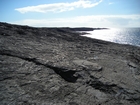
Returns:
(6,78)
(107,88)
(113,89)
(67,75)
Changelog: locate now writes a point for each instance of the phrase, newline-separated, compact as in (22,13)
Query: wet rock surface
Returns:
(56,66)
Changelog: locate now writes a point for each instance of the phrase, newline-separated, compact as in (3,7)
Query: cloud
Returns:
(86,21)
(59,7)
(110,3)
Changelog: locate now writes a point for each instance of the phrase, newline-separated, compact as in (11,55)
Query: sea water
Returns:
(123,36)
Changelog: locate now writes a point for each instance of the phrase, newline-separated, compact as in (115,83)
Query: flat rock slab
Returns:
(88,64)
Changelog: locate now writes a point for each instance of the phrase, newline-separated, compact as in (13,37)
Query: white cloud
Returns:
(59,7)
(110,3)
(86,21)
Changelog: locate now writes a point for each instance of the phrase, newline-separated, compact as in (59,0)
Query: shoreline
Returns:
(112,36)
(58,66)
(84,35)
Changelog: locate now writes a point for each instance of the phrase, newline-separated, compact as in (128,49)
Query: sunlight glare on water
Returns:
(123,36)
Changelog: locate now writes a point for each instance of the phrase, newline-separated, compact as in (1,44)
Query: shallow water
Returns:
(123,36)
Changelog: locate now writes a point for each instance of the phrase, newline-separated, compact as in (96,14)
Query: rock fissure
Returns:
(6,78)
(107,88)
(67,75)
(116,91)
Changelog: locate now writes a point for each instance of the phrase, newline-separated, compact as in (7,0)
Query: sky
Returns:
(71,13)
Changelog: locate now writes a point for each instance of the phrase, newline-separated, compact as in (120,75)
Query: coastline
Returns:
(58,66)
(117,35)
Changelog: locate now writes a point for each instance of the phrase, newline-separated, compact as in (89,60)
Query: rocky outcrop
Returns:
(56,66)
(86,29)
(82,29)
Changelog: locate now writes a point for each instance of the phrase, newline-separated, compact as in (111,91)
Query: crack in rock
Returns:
(104,87)
(67,75)
(96,84)
(6,78)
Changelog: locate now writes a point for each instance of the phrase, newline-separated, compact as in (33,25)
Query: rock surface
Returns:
(56,66)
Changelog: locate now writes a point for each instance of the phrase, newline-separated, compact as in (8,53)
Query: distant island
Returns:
(58,66)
